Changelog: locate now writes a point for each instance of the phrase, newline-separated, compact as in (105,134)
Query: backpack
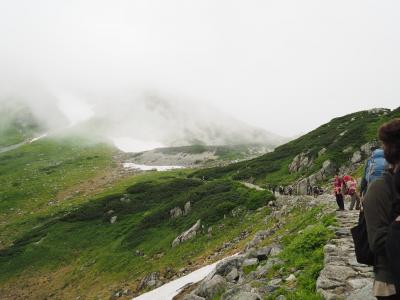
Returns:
(376,166)
(359,233)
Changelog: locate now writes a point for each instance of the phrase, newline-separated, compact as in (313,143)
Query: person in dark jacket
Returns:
(378,204)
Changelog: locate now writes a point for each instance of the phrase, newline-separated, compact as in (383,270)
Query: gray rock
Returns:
(321,152)
(113,219)
(357,157)
(224,267)
(187,208)
(188,234)
(275,250)
(150,281)
(209,288)
(232,292)
(366,148)
(250,262)
(348,149)
(193,297)
(176,212)
(233,275)
(291,278)
(262,271)
(262,253)
(300,162)
(275,282)
(243,295)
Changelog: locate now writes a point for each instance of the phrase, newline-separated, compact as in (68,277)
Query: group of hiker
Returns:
(343,186)
(289,190)
(347,185)
(377,235)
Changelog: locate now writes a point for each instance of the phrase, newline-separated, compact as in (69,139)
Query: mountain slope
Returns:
(113,238)
(17,124)
(338,140)
(173,123)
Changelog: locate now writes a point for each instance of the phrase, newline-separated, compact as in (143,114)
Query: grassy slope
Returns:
(305,233)
(98,254)
(34,175)
(359,128)
(16,124)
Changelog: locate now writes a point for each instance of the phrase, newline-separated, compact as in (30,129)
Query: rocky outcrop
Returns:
(210,288)
(150,281)
(188,234)
(176,212)
(357,157)
(321,152)
(187,208)
(301,162)
(245,276)
(343,277)
(324,173)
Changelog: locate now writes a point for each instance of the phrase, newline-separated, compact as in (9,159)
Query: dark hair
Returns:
(389,134)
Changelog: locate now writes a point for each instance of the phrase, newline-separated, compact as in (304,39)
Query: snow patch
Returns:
(150,168)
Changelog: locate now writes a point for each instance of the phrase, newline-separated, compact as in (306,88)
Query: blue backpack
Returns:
(376,165)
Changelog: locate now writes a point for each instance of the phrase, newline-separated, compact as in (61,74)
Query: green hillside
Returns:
(17,124)
(352,130)
(72,224)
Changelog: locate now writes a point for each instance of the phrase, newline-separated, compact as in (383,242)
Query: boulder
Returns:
(188,234)
(209,288)
(348,149)
(275,250)
(150,281)
(243,295)
(233,275)
(113,219)
(260,254)
(357,157)
(224,267)
(176,212)
(366,148)
(187,208)
(300,162)
(250,262)
(291,278)
(193,297)
(321,152)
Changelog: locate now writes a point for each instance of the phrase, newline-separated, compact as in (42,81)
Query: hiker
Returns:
(382,217)
(351,189)
(374,168)
(337,189)
(290,190)
(281,190)
(316,191)
(309,188)
(274,189)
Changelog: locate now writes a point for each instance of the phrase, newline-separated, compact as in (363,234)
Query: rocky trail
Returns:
(342,277)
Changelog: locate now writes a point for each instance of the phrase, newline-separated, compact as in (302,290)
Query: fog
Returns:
(166,70)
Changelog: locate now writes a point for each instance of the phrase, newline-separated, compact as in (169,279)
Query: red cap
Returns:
(347,178)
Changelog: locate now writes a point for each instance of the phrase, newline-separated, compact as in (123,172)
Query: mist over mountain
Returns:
(143,120)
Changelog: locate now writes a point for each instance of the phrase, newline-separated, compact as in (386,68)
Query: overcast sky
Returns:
(286,66)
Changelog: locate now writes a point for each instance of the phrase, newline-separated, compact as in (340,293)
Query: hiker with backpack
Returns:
(374,168)
(350,189)
(337,190)
(382,215)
